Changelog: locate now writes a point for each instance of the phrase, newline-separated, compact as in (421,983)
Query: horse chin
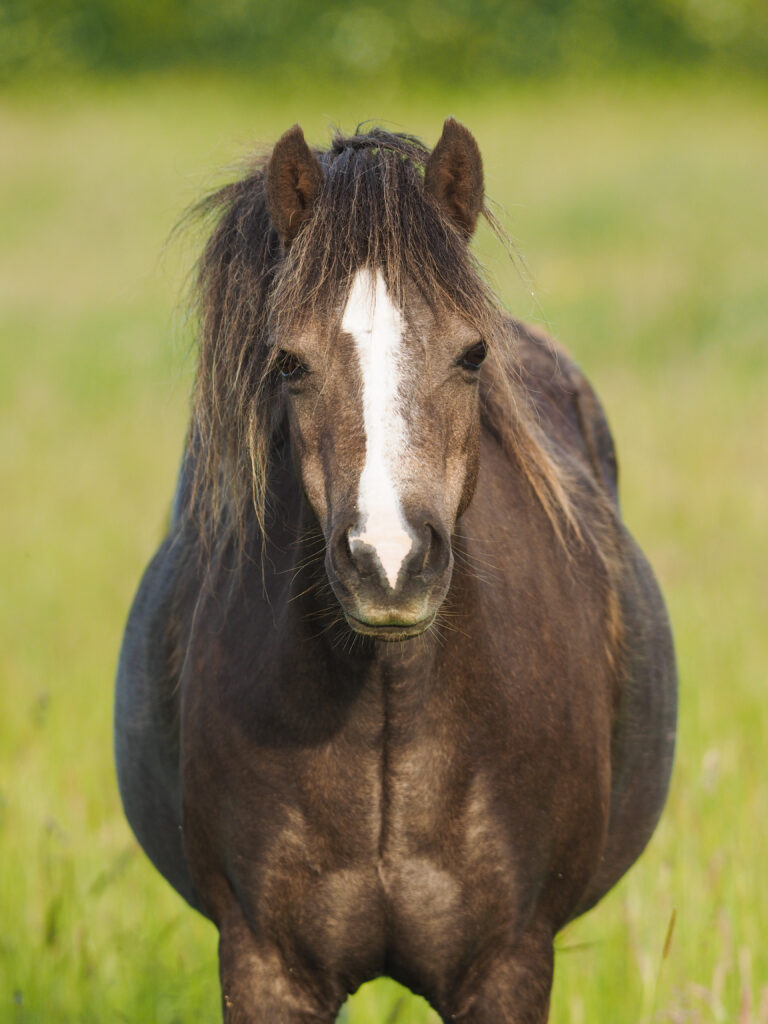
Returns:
(391,632)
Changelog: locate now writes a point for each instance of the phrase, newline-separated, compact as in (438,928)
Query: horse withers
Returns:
(397,692)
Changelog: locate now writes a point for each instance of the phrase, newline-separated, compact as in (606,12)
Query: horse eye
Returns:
(473,357)
(289,365)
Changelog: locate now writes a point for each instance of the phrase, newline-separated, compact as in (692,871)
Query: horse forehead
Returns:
(376,325)
(412,333)
(402,333)
(370,313)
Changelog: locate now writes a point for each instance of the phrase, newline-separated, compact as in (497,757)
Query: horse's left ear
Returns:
(454,176)
(293,180)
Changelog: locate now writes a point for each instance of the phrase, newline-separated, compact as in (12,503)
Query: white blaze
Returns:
(376,325)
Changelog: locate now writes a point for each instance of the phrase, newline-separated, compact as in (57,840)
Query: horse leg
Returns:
(257,986)
(514,987)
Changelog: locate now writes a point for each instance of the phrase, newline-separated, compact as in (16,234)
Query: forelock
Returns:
(372,210)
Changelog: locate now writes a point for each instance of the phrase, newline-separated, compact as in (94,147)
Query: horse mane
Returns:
(371,210)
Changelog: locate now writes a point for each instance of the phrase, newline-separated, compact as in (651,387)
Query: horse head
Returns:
(380,379)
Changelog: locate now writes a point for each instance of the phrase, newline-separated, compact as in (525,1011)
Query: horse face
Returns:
(384,406)
(384,415)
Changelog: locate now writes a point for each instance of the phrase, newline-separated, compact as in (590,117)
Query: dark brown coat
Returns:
(344,807)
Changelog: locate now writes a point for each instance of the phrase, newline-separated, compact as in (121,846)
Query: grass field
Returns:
(642,213)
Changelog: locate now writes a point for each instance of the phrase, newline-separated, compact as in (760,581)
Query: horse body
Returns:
(433,809)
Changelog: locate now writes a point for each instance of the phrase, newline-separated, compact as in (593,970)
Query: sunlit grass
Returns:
(642,215)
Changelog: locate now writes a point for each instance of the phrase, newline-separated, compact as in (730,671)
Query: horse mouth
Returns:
(391,632)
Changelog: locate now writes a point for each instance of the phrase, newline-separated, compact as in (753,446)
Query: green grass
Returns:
(642,214)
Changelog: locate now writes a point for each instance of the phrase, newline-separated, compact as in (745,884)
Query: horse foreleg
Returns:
(513,987)
(257,986)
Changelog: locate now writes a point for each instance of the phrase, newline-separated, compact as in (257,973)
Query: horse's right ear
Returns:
(293,180)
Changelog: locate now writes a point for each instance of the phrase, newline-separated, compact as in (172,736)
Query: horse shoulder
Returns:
(561,392)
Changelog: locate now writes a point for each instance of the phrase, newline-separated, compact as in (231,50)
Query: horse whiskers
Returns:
(472,572)
(435,633)
(316,586)
(473,556)
(302,567)
(449,613)
(309,535)
(349,640)
(326,630)
(321,613)
(440,620)
(309,541)
(320,589)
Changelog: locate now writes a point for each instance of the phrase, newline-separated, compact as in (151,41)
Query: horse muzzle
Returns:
(391,591)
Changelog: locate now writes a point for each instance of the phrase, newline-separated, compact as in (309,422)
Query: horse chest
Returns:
(398,860)
(382,829)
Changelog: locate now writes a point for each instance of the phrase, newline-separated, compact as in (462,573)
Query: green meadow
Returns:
(640,214)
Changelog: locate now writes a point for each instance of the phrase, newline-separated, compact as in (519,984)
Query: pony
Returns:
(397,692)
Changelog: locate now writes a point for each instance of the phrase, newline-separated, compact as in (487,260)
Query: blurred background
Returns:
(450,42)
(626,145)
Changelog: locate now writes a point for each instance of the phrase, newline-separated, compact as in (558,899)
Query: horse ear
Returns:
(454,176)
(293,179)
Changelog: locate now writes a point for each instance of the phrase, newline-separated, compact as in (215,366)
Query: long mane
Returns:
(372,210)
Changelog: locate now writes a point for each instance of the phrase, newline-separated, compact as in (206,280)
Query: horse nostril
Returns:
(435,554)
(359,555)
(430,539)
(339,554)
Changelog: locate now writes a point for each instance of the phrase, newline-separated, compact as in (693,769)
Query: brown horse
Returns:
(357,473)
